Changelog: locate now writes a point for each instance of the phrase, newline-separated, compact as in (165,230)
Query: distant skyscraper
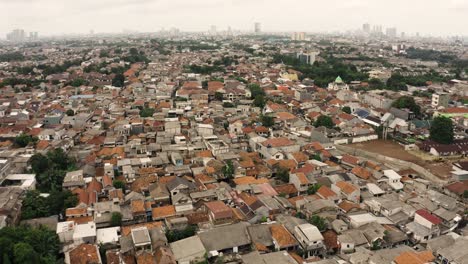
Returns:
(366,27)
(33,35)
(391,32)
(17,35)
(213,29)
(299,36)
(258,27)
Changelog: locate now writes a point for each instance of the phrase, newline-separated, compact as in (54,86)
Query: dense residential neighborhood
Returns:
(233,148)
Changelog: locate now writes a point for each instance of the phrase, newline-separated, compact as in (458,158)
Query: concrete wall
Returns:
(396,164)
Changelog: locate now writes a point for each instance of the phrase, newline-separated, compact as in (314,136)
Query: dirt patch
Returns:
(395,150)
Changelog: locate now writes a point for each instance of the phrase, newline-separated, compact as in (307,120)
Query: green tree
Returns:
(441,130)
(118,80)
(228,105)
(319,222)
(24,244)
(255,90)
(24,253)
(147,112)
(228,170)
(39,163)
(313,188)
(325,121)
(283,174)
(219,96)
(118,184)
(375,83)
(267,121)
(70,112)
(259,101)
(78,82)
(465,194)
(116,219)
(175,235)
(407,102)
(346,109)
(23,140)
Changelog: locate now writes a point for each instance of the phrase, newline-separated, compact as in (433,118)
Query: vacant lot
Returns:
(394,150)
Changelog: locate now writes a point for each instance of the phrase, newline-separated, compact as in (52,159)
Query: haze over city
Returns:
(234,131)
(55,17)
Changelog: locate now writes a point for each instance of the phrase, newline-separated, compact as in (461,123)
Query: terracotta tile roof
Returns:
(414,257)
(138,207)
(278,142)
(76,211)
(143,183)
(106,181)
(197,217)
(163,212)
(261,129)
(287,164)
(282,236)
(348,206)
(126,230)
(116,193)
(346,187)
(294,200)
(350,159)
(302,178)
(300,156)
(42,144)
(94,185)
(204,154)
(455,110)
(458,187)
(429,217)
(285,116)
(326,192)
(361,172)
(84,254)
(80,220)
(145,258)
(330,239)
(219,209)
(286,189)
(313,115)
(249,180)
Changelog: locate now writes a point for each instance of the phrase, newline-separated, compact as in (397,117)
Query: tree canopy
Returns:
(23,140)
(325,121)
(267,121)
(442,130)
(147,112)
(24,244)
(228,170)
(118,80)
(346,109)
(70,112)
(51,169)
(116,219)
(57,202)
(408,103)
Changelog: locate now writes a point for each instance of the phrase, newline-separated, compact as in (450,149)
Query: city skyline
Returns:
(67,17)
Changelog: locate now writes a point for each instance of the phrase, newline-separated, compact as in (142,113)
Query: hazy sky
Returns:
(439,17)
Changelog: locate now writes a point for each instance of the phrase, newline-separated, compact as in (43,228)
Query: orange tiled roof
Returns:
(126,230)
(163,211)
(249,180)
(361,172)
(282,236)
(138,206)
(414,257)
(326,192)
(346,187)
(84,253)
